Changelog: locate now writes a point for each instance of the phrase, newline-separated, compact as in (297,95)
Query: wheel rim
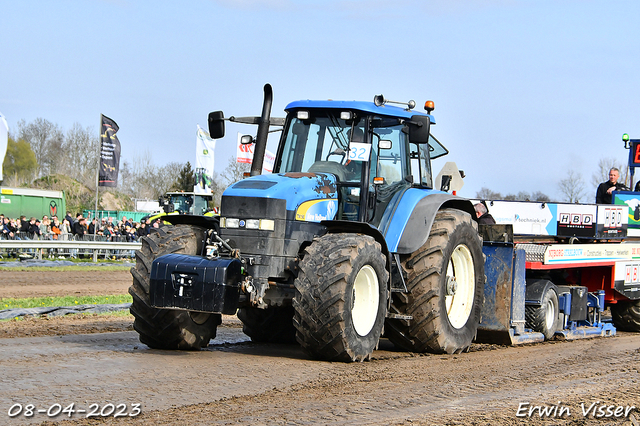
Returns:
(199,317)
(460,286)
(549,314)
(365,300)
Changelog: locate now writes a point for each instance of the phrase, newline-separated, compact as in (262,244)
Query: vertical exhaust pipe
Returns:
(263,132)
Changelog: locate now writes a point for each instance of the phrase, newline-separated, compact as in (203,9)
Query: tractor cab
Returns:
(374,152)
(185,203)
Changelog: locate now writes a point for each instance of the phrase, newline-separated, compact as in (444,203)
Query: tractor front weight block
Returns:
(194,283)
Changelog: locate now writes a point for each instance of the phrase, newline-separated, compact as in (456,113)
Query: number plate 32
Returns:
(359,151)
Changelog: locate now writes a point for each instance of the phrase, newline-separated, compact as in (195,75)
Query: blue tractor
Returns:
(346,242)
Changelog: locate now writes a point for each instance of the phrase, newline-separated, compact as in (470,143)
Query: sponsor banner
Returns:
(630,200)
(612,221)
(244,154)
(317,210)
(627,278)
(590,253)
(205,147)
(527,218)
(109,153)
(576,220)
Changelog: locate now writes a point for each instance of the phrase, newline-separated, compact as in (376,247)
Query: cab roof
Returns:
(368,107)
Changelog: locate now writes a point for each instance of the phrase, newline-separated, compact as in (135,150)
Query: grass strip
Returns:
(39,302)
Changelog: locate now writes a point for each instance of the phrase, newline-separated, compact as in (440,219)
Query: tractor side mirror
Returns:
(168,207)
(446,183)
(216,124)
(419,129)
(246,139)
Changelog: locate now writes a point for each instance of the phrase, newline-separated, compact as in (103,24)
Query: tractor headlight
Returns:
(261,224)
(267,224)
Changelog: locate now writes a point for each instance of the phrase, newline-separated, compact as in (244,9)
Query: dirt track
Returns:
(20,284)
(237,382)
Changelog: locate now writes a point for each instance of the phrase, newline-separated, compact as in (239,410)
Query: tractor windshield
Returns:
(181,203)
(321,145)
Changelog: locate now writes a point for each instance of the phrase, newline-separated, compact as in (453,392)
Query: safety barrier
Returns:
(66,248)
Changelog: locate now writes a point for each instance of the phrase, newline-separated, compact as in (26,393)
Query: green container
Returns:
(15,202)
(116,215)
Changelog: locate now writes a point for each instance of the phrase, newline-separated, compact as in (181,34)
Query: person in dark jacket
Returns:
(80,227)
(484,217)
(603,193)
(33,228)
(24,224)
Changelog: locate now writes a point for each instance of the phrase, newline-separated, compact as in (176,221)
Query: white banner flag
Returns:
(4,140)
(244,154)
(204,162)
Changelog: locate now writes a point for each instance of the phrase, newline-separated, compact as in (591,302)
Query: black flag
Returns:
(109,153)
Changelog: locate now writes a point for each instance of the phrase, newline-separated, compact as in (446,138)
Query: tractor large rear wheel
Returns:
(341,297)
(445,286)
(167,328)
(626,315)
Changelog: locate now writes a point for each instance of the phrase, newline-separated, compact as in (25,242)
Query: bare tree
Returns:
(234,171)
(487,194)
(81,154)
(46,140)
(143,179)
(540,196)
(572,187)
(602,173)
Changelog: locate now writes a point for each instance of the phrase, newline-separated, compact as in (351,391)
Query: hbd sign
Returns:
(576,221)
(612,221)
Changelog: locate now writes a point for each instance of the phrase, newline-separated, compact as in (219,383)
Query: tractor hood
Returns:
(310,197)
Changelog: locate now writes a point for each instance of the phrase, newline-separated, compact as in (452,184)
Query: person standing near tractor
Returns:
(603,193)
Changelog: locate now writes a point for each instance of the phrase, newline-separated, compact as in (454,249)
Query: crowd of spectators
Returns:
(52,228)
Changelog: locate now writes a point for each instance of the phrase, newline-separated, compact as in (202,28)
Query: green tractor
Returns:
(179,202)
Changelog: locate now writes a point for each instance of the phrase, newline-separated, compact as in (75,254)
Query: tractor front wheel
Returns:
(168,328)
(341,297)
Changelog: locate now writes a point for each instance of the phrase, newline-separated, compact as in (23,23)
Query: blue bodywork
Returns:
(294,188)
(368,107)
(303,191)
(313,197)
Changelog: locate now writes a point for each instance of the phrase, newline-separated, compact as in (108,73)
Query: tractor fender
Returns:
(536,288)
(409,225)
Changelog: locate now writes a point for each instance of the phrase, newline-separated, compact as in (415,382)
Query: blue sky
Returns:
(524,90)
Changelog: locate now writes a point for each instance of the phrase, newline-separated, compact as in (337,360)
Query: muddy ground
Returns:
(97,360)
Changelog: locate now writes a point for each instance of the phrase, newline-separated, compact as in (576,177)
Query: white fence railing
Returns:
(40,248)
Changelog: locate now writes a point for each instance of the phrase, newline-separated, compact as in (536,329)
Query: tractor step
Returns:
(398,316)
